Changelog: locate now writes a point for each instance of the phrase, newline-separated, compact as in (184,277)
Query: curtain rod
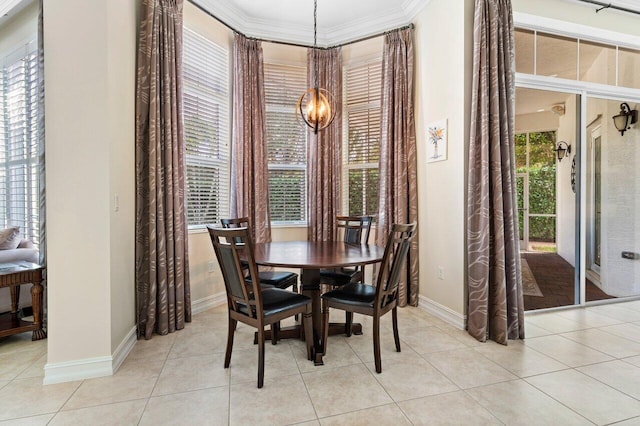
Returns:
(610,6)
(288,43)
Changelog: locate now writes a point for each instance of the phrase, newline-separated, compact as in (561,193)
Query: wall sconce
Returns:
(562,150)
(625,119)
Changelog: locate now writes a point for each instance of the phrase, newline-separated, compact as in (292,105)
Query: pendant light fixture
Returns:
(316,106)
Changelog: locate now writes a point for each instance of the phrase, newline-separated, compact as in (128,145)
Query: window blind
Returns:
(206,129)
(286,143)
(19,171)
(362,109)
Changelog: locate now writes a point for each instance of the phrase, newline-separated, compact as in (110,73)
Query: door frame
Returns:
(594,132)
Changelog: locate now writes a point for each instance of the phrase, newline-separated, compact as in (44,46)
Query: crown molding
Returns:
(302,33)
(10,8)
(7,5)
(364,27)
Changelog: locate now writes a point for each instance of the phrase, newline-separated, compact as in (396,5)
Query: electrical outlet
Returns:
(440,273)
(212,266)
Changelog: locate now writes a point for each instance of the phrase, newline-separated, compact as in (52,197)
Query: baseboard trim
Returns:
(70,371)
(200,305)
(90,368)
(446,314)
(123,349)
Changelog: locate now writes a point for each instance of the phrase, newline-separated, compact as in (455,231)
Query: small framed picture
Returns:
(437,141)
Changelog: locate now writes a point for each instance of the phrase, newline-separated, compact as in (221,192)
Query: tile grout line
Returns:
(164,363)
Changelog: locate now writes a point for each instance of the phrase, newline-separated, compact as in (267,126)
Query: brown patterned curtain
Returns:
(163,299)
(495,308)
(324,148)
(398,202)
(249,172)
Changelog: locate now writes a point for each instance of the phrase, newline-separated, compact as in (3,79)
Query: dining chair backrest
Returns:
(231,246)
(393,262)
(235,222)
(354,229)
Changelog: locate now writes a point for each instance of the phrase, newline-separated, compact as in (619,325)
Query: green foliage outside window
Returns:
(542,183)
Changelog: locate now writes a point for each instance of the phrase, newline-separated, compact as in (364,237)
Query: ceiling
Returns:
(339,21)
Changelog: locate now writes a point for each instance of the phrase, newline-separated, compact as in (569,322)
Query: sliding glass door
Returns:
(546,201)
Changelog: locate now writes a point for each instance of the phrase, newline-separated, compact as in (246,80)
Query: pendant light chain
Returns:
(315,43)
(316,106)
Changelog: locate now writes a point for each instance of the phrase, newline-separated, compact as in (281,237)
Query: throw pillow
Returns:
(10,238)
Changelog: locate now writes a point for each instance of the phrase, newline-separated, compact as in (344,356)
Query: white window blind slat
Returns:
(286,143)
(206,129)
(19,170)
(362,110)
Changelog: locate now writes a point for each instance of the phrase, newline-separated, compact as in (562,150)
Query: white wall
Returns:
(121,75)
(620,205)
(78,192)
(89,101)
(536,122)
(565,197)
(443,40)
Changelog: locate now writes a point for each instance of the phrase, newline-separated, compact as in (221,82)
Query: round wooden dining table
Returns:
(310,257)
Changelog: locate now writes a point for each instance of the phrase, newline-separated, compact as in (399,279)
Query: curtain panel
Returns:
(495,307)
(163,299)
(398,199)
(323,149)
(249,167)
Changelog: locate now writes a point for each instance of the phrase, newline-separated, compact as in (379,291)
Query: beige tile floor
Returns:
(576,367)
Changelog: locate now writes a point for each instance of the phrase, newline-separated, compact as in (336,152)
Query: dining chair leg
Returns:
(232,329)
(396,335)
(307,326)
(376,343)
(275,328)
(348,323)
(260,357)
(325,326)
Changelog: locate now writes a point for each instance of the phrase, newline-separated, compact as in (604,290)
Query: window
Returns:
(361,153)
(286,143)
(552,55)
(206,129)
(19,171)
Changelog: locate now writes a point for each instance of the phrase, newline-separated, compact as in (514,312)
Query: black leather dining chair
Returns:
(277,279)
(247,301)
(351,230)
(375,301)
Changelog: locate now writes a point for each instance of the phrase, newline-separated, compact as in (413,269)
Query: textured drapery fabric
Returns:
(163,299)
(495,309)
(249,167)
(324,148)
(398,199)
(42,214)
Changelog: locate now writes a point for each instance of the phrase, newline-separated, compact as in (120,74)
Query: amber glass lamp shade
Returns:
(317,108)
